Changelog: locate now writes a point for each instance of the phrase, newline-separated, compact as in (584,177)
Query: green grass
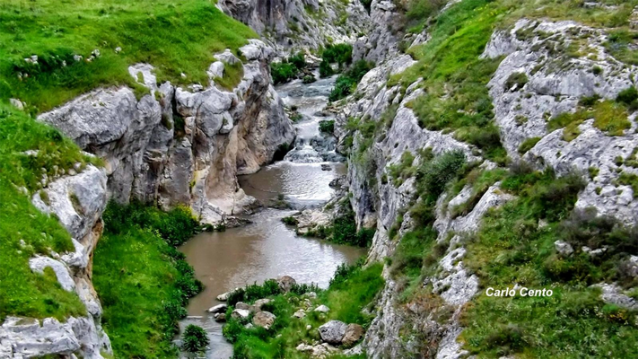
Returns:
(401,171)
(23,292)
(528,144)
(175,37)
(610,117)
(143,282)
(456,97)
(232,76)
(351,290)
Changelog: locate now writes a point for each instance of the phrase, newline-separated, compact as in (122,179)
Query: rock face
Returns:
(554,88)
(300,24)
(78,201)
(180,146)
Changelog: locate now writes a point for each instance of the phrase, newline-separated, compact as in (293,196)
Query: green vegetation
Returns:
(327,126)
(512,248)
(287,69)
(24,230)
(418,12)
(290,220)
(340,54)
(480,181)
(195,339)
(528,144)
(454,78)
(137,266)
(347,82)
(352,289)
(174,37)
(343,229)
(609,116)
(232,76)
(402,170)
(629,179)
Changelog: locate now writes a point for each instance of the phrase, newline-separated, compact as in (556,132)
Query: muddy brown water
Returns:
(267,248)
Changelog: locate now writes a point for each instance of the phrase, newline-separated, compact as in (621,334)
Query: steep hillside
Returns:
(499,154)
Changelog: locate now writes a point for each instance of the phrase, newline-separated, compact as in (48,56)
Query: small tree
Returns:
(195,339)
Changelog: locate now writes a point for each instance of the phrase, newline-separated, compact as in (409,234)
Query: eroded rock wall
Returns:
(182,146)
(291,25)
(173,146)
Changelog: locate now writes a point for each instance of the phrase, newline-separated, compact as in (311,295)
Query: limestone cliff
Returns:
(557,80)
(173,146)
(292,25)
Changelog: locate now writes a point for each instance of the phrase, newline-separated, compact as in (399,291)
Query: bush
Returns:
(348,81)
(282,72)
(298,60)
(290,220)
(195,339)
(344,231)
(325,70)
(308,79)
(366,4)
(327,126)
(338,53)
(628,96)
(254,291)
(434,175)
(343,87)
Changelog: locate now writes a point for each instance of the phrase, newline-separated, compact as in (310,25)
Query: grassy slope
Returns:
(142,281)
(21,291)
(175,37)
(510,248)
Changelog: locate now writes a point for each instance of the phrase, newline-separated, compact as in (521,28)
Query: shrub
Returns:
(309,79)
(254,291)
(627,96)
(348,81)
(366,4)
(290,220)
(434,175)
(325,70)
(195,339)
(298,60)
(282,72)
(327,126)
(338,53)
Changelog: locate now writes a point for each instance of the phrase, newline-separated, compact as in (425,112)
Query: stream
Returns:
(267,248)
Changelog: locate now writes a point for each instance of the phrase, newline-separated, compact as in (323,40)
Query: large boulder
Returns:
(219,308)
(285,283)
(264,319)
(333,331)
(240,314)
